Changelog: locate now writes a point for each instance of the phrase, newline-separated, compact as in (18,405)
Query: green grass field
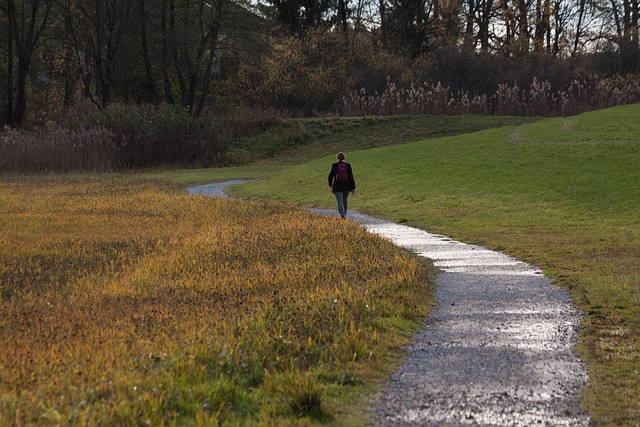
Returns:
(562,193)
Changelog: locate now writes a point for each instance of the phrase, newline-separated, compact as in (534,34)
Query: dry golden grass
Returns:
(124,304)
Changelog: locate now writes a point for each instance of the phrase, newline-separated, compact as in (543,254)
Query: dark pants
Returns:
(341,198)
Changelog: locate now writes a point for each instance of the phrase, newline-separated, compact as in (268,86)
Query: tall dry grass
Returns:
(56,149)
(122,304)
(539,99)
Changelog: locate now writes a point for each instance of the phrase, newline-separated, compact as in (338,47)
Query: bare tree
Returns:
(542,25)
(151,87)
(168,97)
(191,33)
(618,30)
(628,34)
(26,23)
(343,17)
(97,28)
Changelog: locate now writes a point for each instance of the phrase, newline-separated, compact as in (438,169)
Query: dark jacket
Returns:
(336,185)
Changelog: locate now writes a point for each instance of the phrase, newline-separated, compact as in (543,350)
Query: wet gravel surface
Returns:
(496,351)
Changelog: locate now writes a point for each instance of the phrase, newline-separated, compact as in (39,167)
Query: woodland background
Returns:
(117,84)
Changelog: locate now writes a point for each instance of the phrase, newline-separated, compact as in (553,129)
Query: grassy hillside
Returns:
(293,141)
(297,141)
(563,194)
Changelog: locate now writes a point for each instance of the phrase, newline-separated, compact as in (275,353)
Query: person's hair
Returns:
(340,156)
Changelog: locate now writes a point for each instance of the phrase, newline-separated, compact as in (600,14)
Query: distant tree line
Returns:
(299,57)
(560,28)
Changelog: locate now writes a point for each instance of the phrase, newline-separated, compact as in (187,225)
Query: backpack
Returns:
(342,175)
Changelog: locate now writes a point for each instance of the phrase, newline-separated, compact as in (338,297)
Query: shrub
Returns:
(171,136)
(162,136)
(309,75)
(126,137)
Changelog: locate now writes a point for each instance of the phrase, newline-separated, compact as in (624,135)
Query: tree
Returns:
(96,29)
(191,37)
(164,64)
(542,23)
(579,25)
(343,17)
(486,16)
(151,87)
(406,25)
(627,17)
(26,23)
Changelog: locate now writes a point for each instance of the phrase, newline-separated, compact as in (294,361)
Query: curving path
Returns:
(496,351)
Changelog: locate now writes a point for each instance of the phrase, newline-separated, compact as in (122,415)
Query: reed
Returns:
(539,99)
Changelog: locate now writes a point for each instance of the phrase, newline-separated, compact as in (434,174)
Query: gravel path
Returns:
(216,189)
(496,351)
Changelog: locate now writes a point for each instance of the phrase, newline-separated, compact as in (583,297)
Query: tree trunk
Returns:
(25,36)
(576,42)
(538,35)
(21,96)
(145,53)
(523,22)
(68,70)
(213,46)
(342,11)
(542,30)
(636,33)
(168,97)
(559,24)
(177,57)
(629,47)
(485,19)
(471,17)
(383,21)
(10,35)
(97,55)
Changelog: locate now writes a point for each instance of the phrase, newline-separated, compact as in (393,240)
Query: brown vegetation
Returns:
(126,137)
(508,100)
(122,304)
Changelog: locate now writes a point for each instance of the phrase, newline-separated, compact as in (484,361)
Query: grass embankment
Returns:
(295,141)
(124,303)
(563,194)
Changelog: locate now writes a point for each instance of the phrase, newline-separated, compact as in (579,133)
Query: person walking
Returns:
(342,183)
